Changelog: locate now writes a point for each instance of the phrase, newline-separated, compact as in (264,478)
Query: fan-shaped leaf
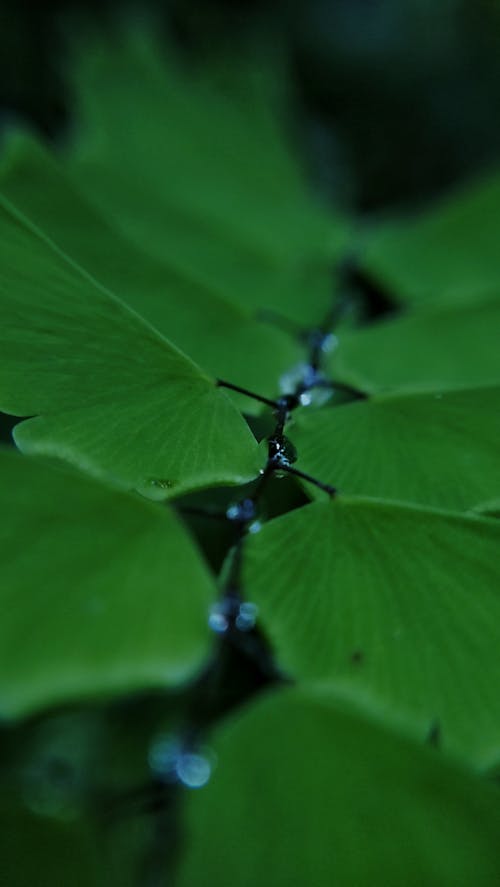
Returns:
(396,606)
(217,334)
(307,793)
(110,394)
(202,180)
(434,350)
(436,449)
(448,254)
(101,592)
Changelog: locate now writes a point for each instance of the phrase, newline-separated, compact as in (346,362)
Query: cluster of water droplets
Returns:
(308,384)
(282,452)
(244,512)
(232,612)
(169,759)
(172,762)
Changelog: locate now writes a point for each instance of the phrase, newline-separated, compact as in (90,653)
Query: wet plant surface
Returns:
(250,567)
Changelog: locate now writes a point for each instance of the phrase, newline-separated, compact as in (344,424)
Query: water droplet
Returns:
(329,343)
(282,452)
(320,396)
(254,527)
(162,755)
(241,511)
(295,377)
(161,483)
(316,389)
(230,611)
(218,618)
(193,770)
(289,452)
(169,760)
(247,616)
(157,487)
(321,341)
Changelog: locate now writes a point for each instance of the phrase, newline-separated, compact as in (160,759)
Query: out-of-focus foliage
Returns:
(446,255)
(196,219)
(180,308)
(297,771)
(74,556)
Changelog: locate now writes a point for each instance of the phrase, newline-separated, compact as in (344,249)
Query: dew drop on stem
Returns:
(241,512)
(282,452)
(172,762)
(230,612)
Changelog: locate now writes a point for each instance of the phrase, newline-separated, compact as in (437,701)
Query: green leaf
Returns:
(396,607)
(448,254)
(305,792)
(109,393)
(101,592)
(434,350)
(201,179)
(47,852)
(215,333)
(434,449)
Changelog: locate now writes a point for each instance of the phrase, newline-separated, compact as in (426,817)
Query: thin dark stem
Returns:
(280,422)
(342,386)
(335,313)
(350,389)
(237,646)
(221,383)
(312,480)
(232,585)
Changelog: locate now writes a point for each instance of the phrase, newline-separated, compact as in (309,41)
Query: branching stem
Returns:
(221,383)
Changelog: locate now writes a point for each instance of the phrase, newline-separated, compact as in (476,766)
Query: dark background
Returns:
(399,98)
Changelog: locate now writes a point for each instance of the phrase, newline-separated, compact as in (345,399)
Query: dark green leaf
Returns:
(436,449)
(47,852)
(101,592)
(217,334)
(435,350)
(110,393)
(396,607)
(448,254)
(306,793)
(202,180)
